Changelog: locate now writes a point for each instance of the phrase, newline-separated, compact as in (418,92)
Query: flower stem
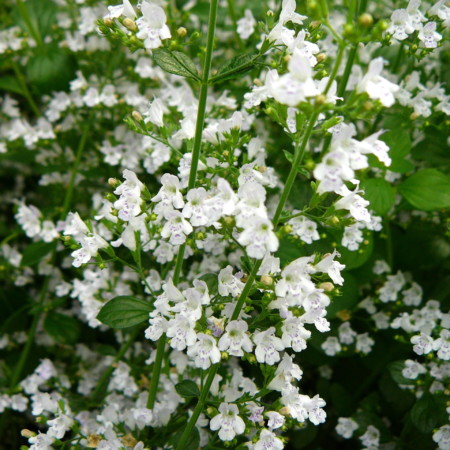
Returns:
(25,91)
(298,157)
(191,184)
(198,409)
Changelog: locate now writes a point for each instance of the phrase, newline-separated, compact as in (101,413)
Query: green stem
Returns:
(198,409)
(76,164)
(246,290)
(298,157)
(203,94)
(347,71)
(26,92)
(156,372)
(191,184)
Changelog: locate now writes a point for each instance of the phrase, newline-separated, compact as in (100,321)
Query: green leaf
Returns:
(187,389)
(35,252)
(289,156)
(427,190)
(176,62)
(399,143)
(124,312)
(235,68)
(64,329)
(380,194)
(426,413)
(8,83)
(211,281)
(50,69)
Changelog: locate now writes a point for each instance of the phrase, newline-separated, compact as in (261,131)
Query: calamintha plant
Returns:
(224,224)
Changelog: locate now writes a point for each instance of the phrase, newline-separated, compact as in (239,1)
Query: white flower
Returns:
(176,228)
(354,203)
(371,438)
(364,343)
(304,228)
(423,344)
(169,196)
(125,9)
(346,427)
(196,208)
(268,440)
(28,218)
(235,340)
(294,334)
(227,422)
(331,267)
(428,35)
(285,373)
(152,25)
(442,437)
(276,420)
(155,113)
(59,426)
(259,238)
(413,369)
(267,346)
(346,333)
(246,25)
(181,330)
(401,25)
(331,346)
(296,85)
(377,87)
(229,284)
(204,351)
(129,203)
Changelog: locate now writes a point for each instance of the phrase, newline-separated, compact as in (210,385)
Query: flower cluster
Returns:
(274,219)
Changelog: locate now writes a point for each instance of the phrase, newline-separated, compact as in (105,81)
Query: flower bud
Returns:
(257,82)
(365,20)
(182,32)
(326,286)
(287,58)
(315,24)
(321,99)
(224,355)
(27,433)
(93,440)
(414,116)
(267,280)
(262,169)
(114,182)
(108,22)
(321,57)
(129,441)
(130,24)
(136,115)
(344,315)
(269,13)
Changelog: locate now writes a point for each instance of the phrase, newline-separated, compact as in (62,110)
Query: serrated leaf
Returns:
(380,194)
(176,62)
(187,389)
(427,190)
(36,252)
(64,329)
(124,311)
(235,68)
